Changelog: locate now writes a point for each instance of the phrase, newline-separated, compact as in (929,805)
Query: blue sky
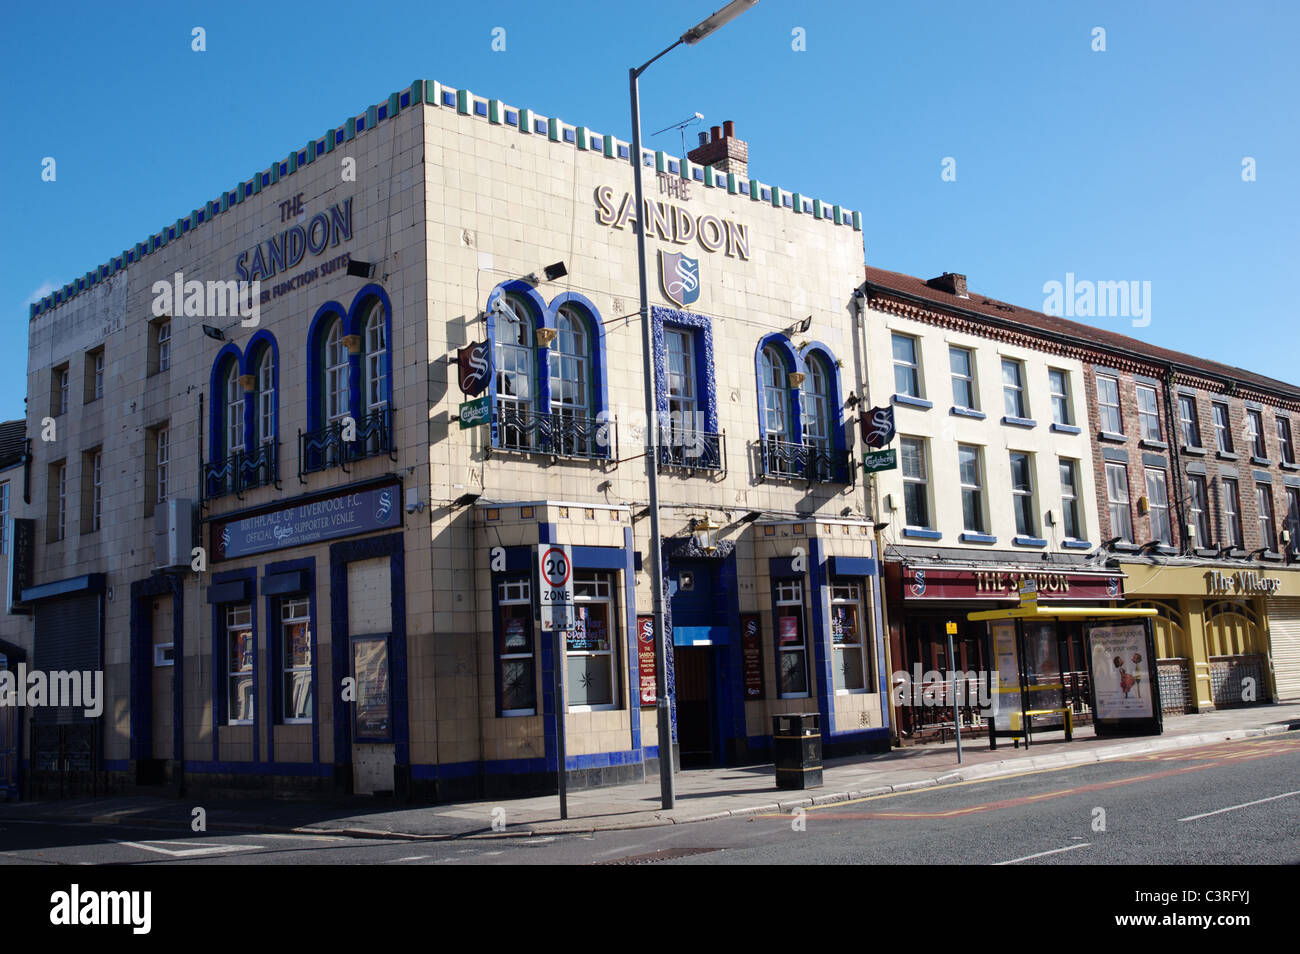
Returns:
(1122,165)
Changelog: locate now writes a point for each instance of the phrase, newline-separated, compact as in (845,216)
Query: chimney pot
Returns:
(704,139)
(951,282)
(717,132)
(728,128)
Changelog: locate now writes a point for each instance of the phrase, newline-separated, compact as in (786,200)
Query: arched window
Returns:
(816,406)
(516,373)
(570,373)
(376,363)
(336,374)
(265,398)
(234,417)
(776,397)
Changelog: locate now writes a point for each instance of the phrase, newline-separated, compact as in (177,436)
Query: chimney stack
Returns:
(950,282)
(723,152)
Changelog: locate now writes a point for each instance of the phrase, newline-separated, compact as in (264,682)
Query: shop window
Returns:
(240,654)
(295,660)
(848,638)
(516,650)
(791,640)
(590,646)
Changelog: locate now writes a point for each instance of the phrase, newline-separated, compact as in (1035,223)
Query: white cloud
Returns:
(47,288)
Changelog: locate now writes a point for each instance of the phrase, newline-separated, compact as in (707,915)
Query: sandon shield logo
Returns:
(680,277)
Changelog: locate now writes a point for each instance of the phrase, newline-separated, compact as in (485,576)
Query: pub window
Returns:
(336,374)
(57,501)
(916,483)
(848,638)
(791,640)
(591,656)
(93,384)
(59,390)
(570,373)
(516,648)
(376,359)
(516,373)
(240,652)
(295,658)
(157,470)
(160,345)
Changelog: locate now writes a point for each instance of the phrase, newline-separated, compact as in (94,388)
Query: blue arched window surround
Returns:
(252,461)
(323,444)
(532,421)
(698,450)
(789,454)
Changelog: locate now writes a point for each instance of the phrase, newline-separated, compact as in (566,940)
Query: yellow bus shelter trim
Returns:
(1061,612)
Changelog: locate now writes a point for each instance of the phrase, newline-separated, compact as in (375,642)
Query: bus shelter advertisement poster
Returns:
(1121,672)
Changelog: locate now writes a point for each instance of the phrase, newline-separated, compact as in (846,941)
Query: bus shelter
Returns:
(1025,645)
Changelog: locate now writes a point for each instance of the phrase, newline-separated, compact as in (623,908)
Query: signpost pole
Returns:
(560,756)
(956,714)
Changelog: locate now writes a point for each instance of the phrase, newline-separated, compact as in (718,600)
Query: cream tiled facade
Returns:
(459,203)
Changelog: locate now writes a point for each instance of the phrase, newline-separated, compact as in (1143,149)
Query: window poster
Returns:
(515,636)
(844,625)
(370,667)
(590,631)
(1121,671)
(788,630)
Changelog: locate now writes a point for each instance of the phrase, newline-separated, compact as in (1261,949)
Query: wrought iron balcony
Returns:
(520,428)
(805,462)
(242,471)
(329,446)
(692,450)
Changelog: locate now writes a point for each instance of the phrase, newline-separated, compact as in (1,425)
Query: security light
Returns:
(216,334)
(360,269)
(555,271)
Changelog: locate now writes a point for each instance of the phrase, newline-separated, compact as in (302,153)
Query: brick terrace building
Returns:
(1198,494)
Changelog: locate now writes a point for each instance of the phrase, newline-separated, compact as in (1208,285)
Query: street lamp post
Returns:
(691,36)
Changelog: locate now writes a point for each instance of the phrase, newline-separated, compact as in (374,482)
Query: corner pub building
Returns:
(363,617)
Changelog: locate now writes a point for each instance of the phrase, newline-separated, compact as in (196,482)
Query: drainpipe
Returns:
(1175,457)
(880,623)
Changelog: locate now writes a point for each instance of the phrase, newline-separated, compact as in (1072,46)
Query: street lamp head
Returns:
(718,20)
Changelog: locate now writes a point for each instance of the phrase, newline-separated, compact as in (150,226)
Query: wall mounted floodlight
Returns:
(360,269)
(216,334)
(555,271)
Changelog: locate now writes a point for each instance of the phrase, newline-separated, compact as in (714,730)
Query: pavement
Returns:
(702,794)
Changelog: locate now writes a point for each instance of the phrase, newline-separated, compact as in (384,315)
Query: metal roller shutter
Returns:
(1284,630)
(67,639)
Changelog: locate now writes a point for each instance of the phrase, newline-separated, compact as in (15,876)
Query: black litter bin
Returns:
(797,745)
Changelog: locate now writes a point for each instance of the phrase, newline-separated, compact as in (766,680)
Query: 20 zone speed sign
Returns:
(555,575)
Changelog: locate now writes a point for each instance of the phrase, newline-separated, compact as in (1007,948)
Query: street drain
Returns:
(663,854)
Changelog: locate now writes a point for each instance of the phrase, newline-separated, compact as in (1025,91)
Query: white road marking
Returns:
(398,861)
(1054,851)
(187,852)
(1233,808)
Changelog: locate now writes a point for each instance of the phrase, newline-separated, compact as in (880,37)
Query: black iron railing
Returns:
(345,442)
(805,462)
(692,450)
(241,471)
(520,428)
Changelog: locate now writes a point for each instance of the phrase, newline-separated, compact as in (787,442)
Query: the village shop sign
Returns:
(1218,583)
(993,584)
(672,223)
